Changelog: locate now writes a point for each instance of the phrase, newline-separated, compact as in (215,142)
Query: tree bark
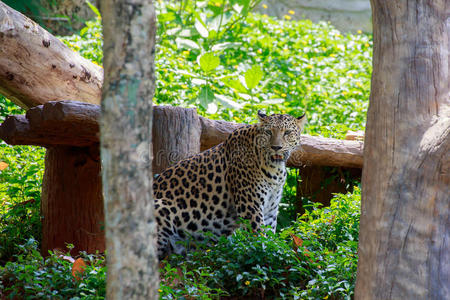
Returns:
(71,201)
(36,67)
(126,127)
(176,135)
(405,232)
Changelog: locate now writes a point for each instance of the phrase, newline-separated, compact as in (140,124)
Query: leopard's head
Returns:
(279,134)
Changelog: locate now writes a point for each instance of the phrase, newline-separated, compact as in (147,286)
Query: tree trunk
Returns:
(180,141)
(405,232)
(129,52)
(36,67)
(71,201)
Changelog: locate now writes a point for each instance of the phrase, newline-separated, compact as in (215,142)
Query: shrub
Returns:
(20,184)
(33,277)
(315,258)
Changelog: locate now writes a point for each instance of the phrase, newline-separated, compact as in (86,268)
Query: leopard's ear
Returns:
(301,121)
(262,116)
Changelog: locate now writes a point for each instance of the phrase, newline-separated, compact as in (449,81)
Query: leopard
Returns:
(214,191)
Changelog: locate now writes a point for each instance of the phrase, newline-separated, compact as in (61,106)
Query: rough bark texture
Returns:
(176,135)
(68,123)
(405,231)
(71,201)
(126,128)
(36,67)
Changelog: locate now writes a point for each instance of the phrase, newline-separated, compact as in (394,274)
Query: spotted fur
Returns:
(241,178)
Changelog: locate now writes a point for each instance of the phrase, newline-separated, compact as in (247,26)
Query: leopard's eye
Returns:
(268,132)
(287,132)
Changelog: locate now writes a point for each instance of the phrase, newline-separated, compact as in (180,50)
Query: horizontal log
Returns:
(76,124)
(315,150)
(36,67)
(69,123)
(320,151)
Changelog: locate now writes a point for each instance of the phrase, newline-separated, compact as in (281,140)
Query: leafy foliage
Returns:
(20,184)
(228,63)
(315,258)
(33,277)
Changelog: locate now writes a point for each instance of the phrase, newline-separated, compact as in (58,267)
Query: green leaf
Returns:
(201,28)
(226,45)
(228,102)
(208,62)
(93,8)
(253,76)
(166,17)
(206,96)
(234,84)
(187,44)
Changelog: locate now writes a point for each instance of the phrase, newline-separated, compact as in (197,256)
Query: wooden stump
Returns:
(72,201)
(176,135)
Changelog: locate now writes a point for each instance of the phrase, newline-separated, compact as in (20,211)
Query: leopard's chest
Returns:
(272,191)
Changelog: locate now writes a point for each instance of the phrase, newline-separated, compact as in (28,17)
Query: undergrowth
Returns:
(314,258)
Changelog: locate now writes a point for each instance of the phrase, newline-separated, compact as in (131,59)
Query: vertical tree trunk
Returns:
(71,203)
(181,141)
(405,231)
(129,47)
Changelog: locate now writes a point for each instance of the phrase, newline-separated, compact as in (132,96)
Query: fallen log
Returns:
(75,124)
(315,150)
(36,67)
(65,123)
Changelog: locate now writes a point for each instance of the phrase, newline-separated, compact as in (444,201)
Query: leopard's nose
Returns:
(276,148)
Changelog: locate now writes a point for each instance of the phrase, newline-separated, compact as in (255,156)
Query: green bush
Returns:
(319,264)
(20,184)
(253,62)
(254,264)
(33,277)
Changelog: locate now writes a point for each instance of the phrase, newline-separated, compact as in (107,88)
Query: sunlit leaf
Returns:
(201,29)
(253,76)
(228,102)
(186,44)
(208,62)
(206,96)
(226,45)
